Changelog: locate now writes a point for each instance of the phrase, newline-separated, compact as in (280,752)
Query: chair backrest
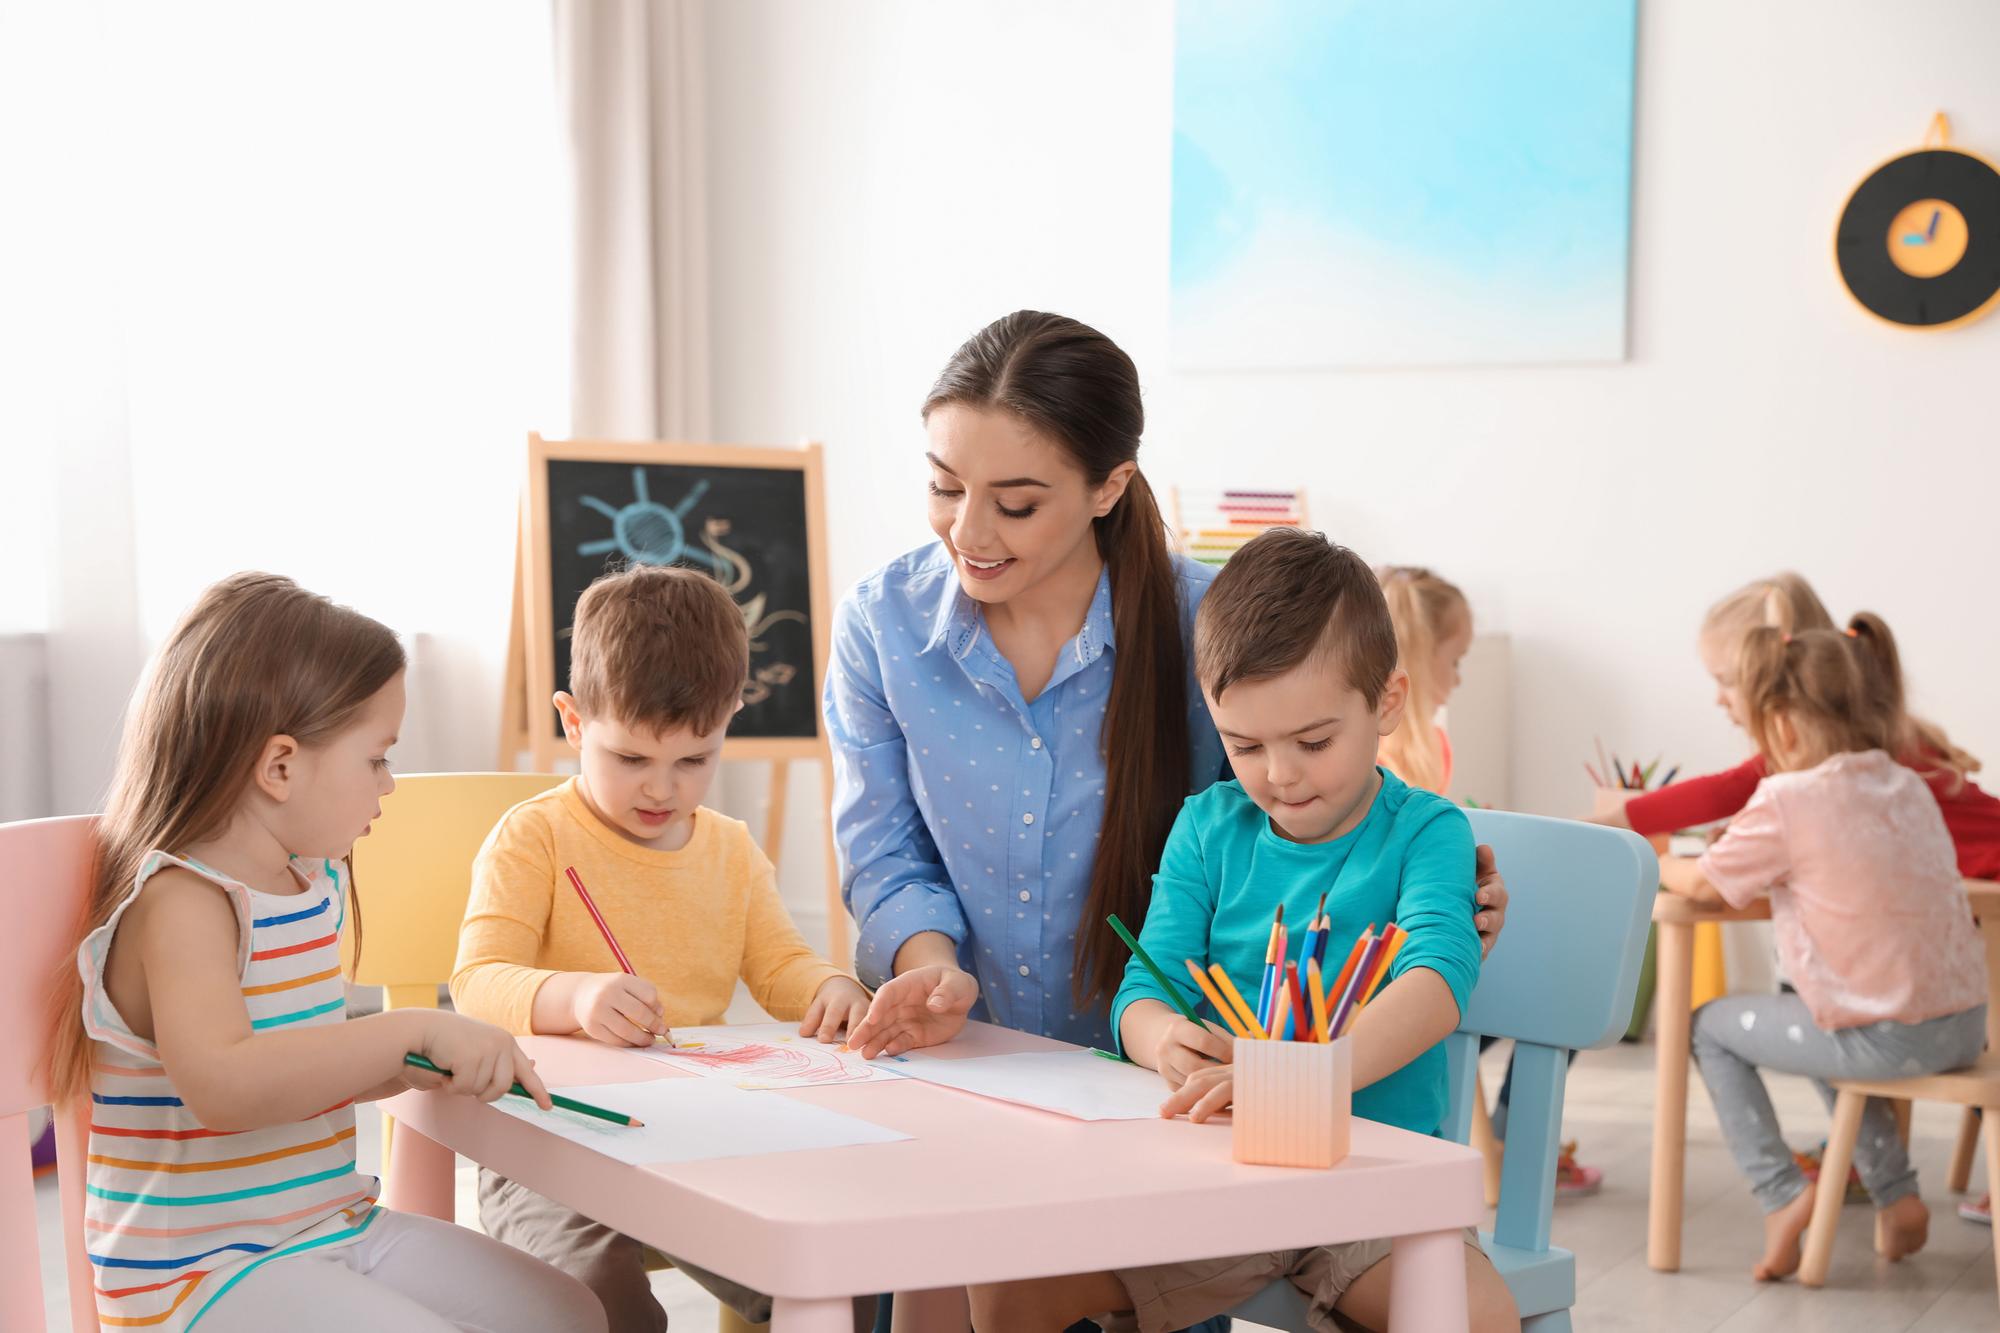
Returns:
(45,867)
(413,872)
(1561,978)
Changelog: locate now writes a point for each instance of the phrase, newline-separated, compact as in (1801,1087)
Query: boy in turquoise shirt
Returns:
(1297,660)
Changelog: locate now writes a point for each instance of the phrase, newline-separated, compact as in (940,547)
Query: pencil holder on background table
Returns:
(1293,1102)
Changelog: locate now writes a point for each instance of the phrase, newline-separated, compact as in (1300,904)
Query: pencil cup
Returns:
(1292,1103)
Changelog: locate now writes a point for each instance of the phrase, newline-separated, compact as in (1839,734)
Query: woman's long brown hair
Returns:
(258,656)
(1077,387)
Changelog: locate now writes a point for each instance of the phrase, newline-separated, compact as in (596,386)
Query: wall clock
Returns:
(1918,243)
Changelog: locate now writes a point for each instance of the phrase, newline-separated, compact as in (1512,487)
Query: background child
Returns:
(1433,623)
(222,1190)
(1871,925)
(1297,660)
(657,665)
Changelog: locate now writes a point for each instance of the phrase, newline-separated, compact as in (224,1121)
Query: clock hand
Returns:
(1931,232)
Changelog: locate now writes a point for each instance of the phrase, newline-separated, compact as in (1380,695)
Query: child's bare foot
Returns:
(1902,1228)
(1782,1230)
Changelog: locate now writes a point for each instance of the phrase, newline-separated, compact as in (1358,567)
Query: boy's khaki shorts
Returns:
(1173,1296)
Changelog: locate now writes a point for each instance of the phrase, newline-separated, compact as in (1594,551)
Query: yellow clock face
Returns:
(1927,238)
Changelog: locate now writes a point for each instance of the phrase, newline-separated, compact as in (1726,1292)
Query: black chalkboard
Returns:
(746,526)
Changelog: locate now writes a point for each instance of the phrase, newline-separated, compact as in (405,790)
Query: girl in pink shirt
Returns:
(1872,925)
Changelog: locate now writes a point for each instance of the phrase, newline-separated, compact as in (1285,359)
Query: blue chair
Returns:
(1561,978)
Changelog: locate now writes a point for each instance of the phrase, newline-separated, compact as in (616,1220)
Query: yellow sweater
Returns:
(691,921)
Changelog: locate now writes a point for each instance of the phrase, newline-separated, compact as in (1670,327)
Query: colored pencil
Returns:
(1667,781)
(1618,771)
(1646,778)
(1603,765)
(1301,1016)
(1346,974)
(567,1103)
(1235,998)
(1221,1005)
(1345,1009)
(1382,968)
(604,929)
(1638,780)
(1281,1012)
(1265,988)
(1146,960)
(1318,989)
(1595,781)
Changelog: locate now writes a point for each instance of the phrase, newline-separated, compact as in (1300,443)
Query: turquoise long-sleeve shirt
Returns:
(1224,872)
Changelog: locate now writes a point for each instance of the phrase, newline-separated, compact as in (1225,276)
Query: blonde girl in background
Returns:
(1433,623)
(205,1018)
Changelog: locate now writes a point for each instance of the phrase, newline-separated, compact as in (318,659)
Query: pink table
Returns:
(983,1191)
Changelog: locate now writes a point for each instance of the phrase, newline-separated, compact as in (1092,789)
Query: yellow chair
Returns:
(413,874)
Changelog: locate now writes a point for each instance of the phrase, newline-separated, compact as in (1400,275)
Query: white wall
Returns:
(889,177)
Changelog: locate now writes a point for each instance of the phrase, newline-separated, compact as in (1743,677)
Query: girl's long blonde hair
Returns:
(1425,610)
(1786,603)
(257,656)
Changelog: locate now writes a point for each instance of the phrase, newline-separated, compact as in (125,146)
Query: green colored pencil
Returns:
(567,1103)
(1173,996)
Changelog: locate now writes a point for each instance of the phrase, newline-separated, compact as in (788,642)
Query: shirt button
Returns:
(1035,743)
(1024,895)
(1024,969)
(1027,819)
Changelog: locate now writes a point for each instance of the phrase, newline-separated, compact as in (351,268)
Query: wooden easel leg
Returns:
(837,946)
(774,808)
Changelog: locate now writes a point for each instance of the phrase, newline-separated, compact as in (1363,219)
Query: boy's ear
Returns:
(572,718)
(1395,698)
(277,767)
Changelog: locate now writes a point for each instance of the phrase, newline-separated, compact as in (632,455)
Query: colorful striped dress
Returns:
(175,1214)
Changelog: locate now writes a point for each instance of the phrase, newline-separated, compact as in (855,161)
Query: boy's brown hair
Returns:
(659,648)
(1285,595)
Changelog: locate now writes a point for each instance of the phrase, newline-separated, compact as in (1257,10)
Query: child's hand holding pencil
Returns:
(618,1009)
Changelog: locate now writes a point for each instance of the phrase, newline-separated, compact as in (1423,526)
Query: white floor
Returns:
(1947,1288)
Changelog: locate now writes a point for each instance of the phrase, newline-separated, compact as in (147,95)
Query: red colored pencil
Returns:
(603,927)
(1301,1012)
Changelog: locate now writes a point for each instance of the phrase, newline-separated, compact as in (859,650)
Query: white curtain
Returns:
(296,291)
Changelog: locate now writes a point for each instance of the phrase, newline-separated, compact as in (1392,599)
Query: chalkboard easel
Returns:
(754,518)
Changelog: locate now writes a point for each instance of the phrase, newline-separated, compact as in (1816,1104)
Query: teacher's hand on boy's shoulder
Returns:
(1490,893)
(1206,1092)
(839,1005)
(925,1006)
(618,1009)
(1185,1049)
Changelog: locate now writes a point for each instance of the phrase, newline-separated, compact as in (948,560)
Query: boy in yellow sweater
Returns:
(657,664)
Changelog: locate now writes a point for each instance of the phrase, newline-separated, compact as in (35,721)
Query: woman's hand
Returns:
(618,1009)
(1491,897)
(923,1007)
(842,1002)
(481,1060)
(1206,1092)
(1184,1050)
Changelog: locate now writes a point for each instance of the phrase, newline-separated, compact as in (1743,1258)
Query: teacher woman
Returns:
(1013,713)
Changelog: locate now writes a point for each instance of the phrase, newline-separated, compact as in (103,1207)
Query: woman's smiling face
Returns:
(1008,502)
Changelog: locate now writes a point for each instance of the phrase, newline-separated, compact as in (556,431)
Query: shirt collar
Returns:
(957,622)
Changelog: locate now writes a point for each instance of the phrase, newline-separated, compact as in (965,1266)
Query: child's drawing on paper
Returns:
(767,1056)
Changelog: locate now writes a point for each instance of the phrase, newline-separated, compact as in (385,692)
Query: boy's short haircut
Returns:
(659,648)
(1285,595)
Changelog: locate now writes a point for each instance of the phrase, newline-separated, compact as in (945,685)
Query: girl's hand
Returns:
(1205,1092)
(1490,893)
(923,1007)
(618,1009)
(842,1002)
(483,1060)
(1608,806)
(1184,1050)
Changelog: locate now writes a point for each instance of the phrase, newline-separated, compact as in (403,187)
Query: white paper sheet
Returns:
(762,1056)
(694,1119)
(1080,1084)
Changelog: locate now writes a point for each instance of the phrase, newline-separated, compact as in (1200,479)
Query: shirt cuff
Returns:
(913,909)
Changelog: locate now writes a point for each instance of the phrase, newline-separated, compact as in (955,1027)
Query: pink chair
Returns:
(44,879)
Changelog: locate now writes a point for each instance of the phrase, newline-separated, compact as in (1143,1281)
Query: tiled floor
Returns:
(1949,1288)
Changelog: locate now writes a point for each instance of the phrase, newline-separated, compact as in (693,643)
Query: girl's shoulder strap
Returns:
(101,1019)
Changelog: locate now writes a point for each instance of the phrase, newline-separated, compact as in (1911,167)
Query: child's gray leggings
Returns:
(1736,1036)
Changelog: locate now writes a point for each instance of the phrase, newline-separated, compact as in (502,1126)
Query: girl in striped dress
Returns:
(207,1021)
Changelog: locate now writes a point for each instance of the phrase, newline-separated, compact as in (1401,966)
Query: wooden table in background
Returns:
(1676,917)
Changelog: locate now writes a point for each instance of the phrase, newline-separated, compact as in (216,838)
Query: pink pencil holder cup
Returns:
(1292,1102)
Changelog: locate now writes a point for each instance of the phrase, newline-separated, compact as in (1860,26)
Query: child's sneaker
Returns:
(1980,1211)
(1808,1161)
(1573,1179)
